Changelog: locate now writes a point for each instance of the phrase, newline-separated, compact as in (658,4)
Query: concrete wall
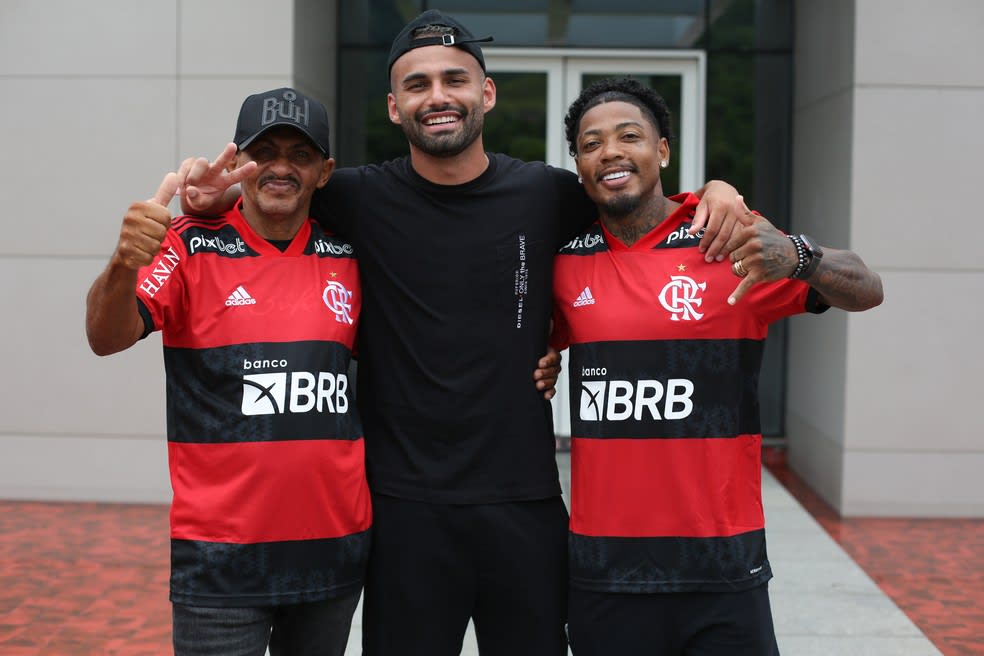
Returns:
(882,407)
(100,100)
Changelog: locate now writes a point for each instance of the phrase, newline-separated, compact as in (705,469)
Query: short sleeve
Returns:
(159,284)
(783,298)
(560,334)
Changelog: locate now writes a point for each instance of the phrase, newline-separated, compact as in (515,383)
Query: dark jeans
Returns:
(314,629)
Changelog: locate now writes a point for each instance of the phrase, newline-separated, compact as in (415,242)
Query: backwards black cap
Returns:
(459,38)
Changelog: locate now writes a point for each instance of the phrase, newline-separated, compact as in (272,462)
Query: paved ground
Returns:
(823,603)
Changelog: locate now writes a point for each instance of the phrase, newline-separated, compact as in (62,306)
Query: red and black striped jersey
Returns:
(666,465)
(265,447)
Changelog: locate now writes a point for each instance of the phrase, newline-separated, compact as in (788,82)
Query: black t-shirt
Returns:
(456,308)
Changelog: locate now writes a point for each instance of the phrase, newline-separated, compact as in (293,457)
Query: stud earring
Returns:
(580,181)
(664,164)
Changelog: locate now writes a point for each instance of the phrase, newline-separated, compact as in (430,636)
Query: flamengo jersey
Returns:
(265,447)
(665,456)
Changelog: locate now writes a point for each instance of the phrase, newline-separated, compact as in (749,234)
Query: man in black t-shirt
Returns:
(455,249)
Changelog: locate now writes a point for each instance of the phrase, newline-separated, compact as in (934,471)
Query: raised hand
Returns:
(203,184)
(112,320)
(144,226)
(759,251)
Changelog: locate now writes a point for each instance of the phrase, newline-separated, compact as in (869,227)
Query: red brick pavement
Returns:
(86,578)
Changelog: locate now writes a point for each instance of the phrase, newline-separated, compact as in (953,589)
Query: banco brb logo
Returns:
(618,400)
(301,391)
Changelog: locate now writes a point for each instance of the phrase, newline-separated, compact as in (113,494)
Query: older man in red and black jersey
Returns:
(258,310)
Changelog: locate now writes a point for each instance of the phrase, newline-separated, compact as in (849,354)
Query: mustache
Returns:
(276,178)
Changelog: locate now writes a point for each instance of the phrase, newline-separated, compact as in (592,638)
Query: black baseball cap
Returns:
(284,106)
(460,38)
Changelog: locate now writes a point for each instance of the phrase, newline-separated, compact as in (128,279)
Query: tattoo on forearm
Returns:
(845,282)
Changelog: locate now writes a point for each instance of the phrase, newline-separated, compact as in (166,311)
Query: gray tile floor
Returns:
(822,602)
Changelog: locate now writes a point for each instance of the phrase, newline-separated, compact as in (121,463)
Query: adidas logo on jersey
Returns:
(240,297)
(584,298)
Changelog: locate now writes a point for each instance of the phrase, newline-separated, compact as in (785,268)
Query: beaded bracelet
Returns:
(800,254)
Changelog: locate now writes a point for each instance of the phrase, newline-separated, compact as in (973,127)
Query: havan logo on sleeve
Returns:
(161,273)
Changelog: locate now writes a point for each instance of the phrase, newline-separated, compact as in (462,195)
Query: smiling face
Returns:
(278,194)
(439,98)
(619,151)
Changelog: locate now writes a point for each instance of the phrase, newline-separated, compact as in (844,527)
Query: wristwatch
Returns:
(809,253)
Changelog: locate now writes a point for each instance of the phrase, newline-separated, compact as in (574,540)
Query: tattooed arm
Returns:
(844,282)
(763,253)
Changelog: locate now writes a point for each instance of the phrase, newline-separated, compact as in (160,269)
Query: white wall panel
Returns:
(920,43)
(72,166)
(93,468)
(900,483)
(71,38)
(53,384)
(226,38)
(915,365)
(917,168)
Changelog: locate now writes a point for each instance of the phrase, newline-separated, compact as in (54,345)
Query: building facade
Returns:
(855,121)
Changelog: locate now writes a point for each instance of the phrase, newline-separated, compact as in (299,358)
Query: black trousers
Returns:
(672,624)
(434,566)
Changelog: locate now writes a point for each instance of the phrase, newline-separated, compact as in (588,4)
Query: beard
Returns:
(622,206)
(444,145)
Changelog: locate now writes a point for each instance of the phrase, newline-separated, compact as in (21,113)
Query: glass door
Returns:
(536,86)
(545,82)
